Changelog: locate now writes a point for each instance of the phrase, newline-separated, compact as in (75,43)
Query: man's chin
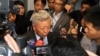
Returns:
(88,36)
(44,35)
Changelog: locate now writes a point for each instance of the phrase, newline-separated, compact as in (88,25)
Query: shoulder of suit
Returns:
(29,33)
(65,14)
(30,11)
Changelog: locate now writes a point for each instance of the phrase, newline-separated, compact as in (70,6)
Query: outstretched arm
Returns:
(12,43)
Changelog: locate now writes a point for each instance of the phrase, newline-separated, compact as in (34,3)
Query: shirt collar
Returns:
(38,37)
(44,39)
(58,15)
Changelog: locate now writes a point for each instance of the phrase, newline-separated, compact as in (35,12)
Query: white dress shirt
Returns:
(44,39)
(55,18)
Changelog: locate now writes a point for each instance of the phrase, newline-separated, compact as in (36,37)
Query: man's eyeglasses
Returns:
(58,4)
(51,2)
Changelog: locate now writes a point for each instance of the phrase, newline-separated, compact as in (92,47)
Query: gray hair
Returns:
(42,15)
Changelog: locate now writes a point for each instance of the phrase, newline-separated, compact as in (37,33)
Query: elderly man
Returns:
(41,25)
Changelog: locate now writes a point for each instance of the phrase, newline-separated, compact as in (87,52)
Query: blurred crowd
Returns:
(60,28)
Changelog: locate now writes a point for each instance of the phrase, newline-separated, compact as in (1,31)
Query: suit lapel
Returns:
(33,35)
(59,22)
(49,36)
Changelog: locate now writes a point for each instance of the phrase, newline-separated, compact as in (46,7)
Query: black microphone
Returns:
(38,46)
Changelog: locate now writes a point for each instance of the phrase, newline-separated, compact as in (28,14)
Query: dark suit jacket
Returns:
(31,35)
(50,37)
(20,22)
(28,16)
(64,21)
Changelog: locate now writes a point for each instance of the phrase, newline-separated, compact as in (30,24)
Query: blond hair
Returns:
(42,15)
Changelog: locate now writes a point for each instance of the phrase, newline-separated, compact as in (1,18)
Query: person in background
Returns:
(92,25)
(20,21)
(60,18)
(78,14)
(75,25)
(70,6)
(66,48)
(50,6)
(38,5)
(11,24)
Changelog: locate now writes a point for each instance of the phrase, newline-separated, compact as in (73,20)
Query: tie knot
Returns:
(41,38)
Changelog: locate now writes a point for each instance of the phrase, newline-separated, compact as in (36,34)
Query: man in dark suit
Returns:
(41,25)
(50,6)
(60,16)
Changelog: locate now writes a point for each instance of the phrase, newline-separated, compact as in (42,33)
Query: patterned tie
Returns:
(40,42)
(41,38)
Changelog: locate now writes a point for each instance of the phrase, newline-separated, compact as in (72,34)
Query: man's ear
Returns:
(33,26)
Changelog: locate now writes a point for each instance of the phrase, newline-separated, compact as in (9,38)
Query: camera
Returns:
(3,28)
(41,50)
(6,6)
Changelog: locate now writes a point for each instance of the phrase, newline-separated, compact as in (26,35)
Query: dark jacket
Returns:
(28,16)
(63,21)
(31,35)
(21,27)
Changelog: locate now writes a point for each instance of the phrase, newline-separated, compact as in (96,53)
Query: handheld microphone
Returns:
(39,43)
(38,46)
(31,43)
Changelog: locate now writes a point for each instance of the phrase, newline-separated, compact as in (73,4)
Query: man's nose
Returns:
(45,30)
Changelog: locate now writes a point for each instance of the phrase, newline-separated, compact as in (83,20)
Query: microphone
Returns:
(31,43)
(39,43)
(38,46)
(34,43)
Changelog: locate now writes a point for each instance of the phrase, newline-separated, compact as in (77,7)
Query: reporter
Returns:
(91,24)
(21,22)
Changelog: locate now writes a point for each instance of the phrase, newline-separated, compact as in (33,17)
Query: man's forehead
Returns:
(87,23)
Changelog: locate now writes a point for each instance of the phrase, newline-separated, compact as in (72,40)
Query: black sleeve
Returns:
(18,54)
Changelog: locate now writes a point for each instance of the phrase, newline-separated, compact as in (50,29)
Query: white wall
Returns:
(30,5)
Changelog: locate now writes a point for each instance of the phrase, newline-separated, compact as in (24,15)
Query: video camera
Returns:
(6,6)
(41,50)
(38,47)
